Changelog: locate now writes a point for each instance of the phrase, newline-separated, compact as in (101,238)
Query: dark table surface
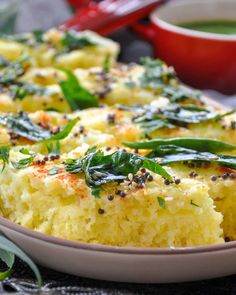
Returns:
(22,280)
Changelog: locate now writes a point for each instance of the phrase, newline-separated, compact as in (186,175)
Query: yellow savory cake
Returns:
(100,152)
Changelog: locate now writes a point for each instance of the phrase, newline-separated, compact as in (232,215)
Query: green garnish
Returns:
(33,39)
(107,64)
(53,171)
(167,154)
(53,147)
(162,202)
(22,125)
(156,73)
(77,96)
(197,144)
(38,35)
(19,90)
(194,204)
(73,40)
(23,163)
(11,72)
(4,155)
(99,169)
(149,118)
(8,251)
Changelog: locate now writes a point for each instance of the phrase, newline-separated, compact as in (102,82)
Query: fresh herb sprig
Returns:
(4,156)
(99,168)
(150,118)
(25,162)
(22,125)
(77,96)
(161,78)
(72,40)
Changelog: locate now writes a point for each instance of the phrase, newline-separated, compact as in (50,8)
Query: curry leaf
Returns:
(77,96)
(20,90)
(73,40)
(167,154)
(155,73)
(198,144)
(9,249)
(22,125)
(4,155)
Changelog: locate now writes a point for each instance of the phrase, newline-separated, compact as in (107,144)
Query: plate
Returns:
(123,264)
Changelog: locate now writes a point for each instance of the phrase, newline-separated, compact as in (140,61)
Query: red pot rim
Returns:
(156,20)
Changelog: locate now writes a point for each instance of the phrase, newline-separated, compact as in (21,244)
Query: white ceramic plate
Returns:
(138,265)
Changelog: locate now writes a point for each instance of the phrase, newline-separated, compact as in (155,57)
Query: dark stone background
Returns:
(35,14)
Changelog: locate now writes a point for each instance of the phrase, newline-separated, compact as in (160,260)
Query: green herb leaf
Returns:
(150,118)
(194,204)
(22,125)
(73,40)
(156,73)
(23,163)
(99,169)
(198,144)
(167,154)
(107,64)
(9,247)
(53,171)
(20,90)
(65,131)
(4,156)
(53,147)
(77,96)
(8,258)
(162,202)
(38,35)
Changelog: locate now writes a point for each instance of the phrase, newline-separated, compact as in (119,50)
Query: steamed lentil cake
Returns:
(60,49)
(62,205)
(69,168)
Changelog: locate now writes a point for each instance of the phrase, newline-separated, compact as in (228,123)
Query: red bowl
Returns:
(202,60)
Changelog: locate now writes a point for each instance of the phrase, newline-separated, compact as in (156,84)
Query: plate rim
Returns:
(114,249)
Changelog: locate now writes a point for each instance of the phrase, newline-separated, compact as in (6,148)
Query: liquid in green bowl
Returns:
(214,26)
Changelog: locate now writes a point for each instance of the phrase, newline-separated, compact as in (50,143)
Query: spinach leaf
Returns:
(22,125)
(77,96)
(197,144)
(4,155)
(99,169)
(72,40)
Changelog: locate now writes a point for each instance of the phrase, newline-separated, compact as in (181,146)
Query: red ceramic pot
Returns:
(202,60)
